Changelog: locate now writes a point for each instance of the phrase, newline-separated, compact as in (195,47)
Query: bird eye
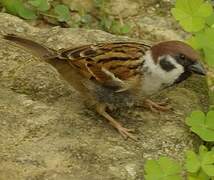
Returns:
(182,56)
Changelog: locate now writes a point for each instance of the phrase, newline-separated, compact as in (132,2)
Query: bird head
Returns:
(179,57)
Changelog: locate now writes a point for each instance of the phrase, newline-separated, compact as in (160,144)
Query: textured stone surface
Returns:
(123,8)
(47,133)
(147,19)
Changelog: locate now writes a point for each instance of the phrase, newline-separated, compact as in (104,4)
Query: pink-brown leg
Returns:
(156,107)
(126,133)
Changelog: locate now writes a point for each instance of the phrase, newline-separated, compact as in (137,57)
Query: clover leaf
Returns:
(202,151)
(206,41)
(192,14)
(62,12)
(17,7)
(162,169)
(11,6)
(202,125)
(192,41)
(200,165)
(210,20)
(201,175)
(41,5)
(125,29)
(208,163)
(26,13)
(192,162)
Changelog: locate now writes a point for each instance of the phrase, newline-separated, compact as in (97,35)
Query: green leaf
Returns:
(192,14)
(12,6)
(201,166)
(204,133)
(26,13)
(99,3)
(201,125)
(163,169)
(115,27)
(152,167)
(41,5)
(192,162)
(198,176)
(210,119)
(209,56)
(106,23)
(62,12)
(206,40)
(196,117)
(194,43)
(202,151)
(208,163)
(17,7)
(86,19)
(125,29)
(210,20)
(203,176)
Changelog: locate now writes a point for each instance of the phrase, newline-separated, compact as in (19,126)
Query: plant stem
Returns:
(210,81)
(48,15)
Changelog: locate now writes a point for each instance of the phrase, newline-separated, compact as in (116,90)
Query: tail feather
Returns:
(36,48)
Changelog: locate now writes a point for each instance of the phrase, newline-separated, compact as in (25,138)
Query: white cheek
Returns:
(170,76)
(155,77)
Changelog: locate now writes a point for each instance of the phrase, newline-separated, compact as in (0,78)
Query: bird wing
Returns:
(116,65)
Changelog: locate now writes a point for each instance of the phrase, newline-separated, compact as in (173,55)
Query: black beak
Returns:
(197,68)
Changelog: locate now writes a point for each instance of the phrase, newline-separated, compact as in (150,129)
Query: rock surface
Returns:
(47,133)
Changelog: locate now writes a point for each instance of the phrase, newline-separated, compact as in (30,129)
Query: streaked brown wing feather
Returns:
(111,64)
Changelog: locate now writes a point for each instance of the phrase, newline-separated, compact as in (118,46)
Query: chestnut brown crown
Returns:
(183,53)
(174,48)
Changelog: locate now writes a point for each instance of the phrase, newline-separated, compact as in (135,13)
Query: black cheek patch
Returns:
(166,65)
(183,77)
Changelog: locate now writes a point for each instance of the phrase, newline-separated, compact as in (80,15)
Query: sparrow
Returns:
(119,74)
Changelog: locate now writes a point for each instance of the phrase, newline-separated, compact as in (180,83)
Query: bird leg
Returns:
(156,107)
(101,109)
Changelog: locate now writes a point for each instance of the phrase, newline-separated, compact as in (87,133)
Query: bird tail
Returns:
(37,49)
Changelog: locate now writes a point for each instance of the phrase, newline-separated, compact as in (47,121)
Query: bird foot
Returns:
(126,133)
(157,107)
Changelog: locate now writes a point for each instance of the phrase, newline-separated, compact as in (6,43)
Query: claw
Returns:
(126,133)
(157,107)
